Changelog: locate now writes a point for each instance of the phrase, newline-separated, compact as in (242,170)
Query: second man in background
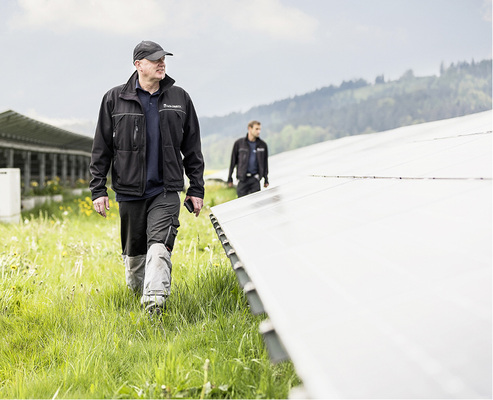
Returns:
(249,156)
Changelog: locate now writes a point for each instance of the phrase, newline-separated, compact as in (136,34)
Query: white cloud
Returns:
(178,18)
(114,16)
(269,17)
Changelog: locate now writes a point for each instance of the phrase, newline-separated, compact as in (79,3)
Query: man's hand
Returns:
(101,204)
(197,202)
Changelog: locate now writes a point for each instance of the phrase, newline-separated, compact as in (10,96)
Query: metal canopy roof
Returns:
(373,259)
(20,132)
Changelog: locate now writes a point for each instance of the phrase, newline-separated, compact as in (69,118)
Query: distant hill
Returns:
(352,108)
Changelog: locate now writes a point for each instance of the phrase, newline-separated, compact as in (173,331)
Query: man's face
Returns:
(151,70)
(254,131)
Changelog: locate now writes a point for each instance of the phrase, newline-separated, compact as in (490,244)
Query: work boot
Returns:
(156,313)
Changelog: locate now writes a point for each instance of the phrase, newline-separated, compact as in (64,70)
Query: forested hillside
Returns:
(354,107)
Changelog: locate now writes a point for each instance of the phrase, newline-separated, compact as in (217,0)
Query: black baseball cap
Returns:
(149,50)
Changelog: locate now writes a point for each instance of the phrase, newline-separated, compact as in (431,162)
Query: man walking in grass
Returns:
(148,132)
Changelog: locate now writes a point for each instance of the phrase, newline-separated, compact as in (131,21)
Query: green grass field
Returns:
(69,327)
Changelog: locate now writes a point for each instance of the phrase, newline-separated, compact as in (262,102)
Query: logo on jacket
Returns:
(172,106)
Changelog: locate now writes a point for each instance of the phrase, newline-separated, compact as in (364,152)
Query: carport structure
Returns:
(42,151)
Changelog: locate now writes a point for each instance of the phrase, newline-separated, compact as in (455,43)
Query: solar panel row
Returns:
(372,259)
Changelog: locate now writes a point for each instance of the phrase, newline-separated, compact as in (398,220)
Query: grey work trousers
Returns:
(148,231)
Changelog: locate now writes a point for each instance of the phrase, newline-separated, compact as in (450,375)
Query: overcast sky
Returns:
(60,56)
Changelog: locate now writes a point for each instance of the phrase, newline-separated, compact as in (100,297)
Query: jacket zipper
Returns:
(136,131)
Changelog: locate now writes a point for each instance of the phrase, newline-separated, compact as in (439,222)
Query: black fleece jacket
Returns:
(120,142)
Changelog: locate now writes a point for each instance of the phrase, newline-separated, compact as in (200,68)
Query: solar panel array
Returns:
(371,256)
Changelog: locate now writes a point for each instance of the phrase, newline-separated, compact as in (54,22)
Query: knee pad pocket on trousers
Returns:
(169,240)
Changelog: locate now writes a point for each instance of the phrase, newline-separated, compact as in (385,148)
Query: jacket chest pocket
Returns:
(174,121)
(128,131)
(243,154)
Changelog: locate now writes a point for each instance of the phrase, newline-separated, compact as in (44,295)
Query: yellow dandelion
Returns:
(13,267)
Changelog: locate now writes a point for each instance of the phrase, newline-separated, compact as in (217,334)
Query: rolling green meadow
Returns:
(69,327)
